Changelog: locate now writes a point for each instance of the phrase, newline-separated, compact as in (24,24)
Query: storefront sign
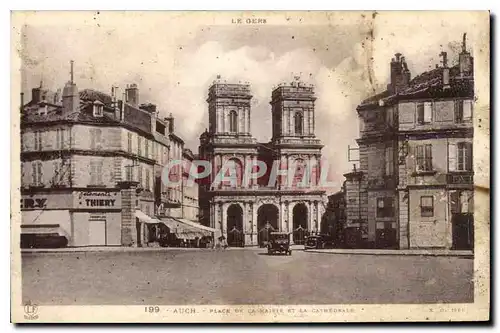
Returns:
(98,200)
(46,201)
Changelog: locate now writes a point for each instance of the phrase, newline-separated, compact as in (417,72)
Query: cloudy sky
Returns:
(175,57)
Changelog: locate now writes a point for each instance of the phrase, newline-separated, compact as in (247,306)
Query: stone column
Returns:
(224,219)
(255,184)
(254,224)
(290,221)
(247,224)
(318,215)
(249,124)
(309,216)
(128,219)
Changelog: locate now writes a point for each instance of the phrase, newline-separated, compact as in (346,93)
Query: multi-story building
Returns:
(414,187)
(246,210)
(91,166)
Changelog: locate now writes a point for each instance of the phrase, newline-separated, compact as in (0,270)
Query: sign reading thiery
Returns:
(98,200)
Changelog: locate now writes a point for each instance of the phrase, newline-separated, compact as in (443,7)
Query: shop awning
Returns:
(48,229)
(45,222)
(143,217)
(184,230)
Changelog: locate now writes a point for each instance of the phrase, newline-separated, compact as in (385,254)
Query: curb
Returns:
(462,254)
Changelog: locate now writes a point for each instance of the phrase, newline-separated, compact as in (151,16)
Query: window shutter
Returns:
(467,111)
(455,202)
(98,138)
(99,172)
(93,179)
(40,173)
(459,107)
(92,139)
(468,156)
(452,157)
(428,112)
(420,157)
(428,157)
(34,173)
(420,113)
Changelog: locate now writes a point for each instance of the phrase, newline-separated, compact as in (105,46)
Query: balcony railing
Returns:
(466,178)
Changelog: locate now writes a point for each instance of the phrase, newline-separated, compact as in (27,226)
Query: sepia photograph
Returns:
(250,166)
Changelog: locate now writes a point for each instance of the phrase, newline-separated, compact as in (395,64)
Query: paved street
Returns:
(249,276)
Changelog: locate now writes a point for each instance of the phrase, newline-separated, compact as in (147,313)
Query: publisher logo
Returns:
(30,311)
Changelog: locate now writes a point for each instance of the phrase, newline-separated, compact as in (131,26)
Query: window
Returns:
(463,111)
(60,136)
(426,206)
(385,207)
(38,140)
(139,145)
(299,120)
(146,148)
(233,122)
(424,112)
(129,142)
(464,160)
(58,172)
(96,172)
(98,110)
(95,138)
(389,161)
(148,185)
(128,173)
(139,176)
(37,173)
(424,158)
(460,156)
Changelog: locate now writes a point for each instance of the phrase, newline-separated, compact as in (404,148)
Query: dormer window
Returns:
(98,110)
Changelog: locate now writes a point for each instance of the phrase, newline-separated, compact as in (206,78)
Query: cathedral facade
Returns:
(247,210)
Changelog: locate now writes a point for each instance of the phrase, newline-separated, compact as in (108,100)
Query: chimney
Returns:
(400,74)
(36,95)
(148,107)
(132,94)
(70,96)
(170,120)
(446,70)
(464,59)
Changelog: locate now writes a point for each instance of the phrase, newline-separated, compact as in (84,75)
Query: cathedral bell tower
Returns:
(293,111)
(229,109)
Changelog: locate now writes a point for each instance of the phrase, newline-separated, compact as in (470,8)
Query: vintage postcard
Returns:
(183,167)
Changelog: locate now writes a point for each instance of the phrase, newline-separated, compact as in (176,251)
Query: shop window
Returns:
(424,157)
(385,207)
(426,206)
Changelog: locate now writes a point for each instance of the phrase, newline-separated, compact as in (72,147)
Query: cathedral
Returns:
(246,212)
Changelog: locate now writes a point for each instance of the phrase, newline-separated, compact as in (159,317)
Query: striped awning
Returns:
(184,230)
(143,217)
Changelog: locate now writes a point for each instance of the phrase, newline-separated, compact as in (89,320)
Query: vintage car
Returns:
(319,242)
(279,242)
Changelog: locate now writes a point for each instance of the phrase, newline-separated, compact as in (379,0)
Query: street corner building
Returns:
(91,167)
(414,184)
(248,210)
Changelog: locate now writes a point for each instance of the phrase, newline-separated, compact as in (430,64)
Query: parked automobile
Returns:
(319,242)
(279,242)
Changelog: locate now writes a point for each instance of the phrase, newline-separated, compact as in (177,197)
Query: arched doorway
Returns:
(300,219)
(267,221)
(235,236)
